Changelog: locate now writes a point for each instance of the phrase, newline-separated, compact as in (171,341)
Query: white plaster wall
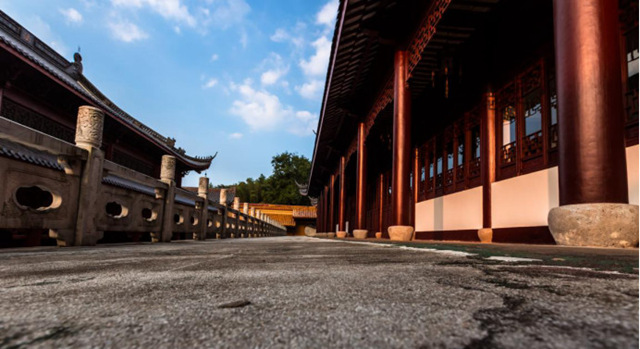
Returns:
(521,201)
(458,211)
(632,174)
(524,201)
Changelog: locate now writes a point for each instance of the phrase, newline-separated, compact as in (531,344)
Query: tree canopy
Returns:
(280,187)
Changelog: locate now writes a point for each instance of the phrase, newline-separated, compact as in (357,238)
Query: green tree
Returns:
(280,187)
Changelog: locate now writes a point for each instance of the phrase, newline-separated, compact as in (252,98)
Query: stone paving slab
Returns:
(305,293)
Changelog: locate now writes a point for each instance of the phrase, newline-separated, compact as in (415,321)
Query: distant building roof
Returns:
(286,214)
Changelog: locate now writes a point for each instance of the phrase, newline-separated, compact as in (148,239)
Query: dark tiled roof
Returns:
(30,155)
(128,184)
(17,37)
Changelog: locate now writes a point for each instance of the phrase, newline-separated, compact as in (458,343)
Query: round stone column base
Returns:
(331,235)
(341,234)
(360,233)
(400,232)
(485,235)
(379,235)
(596,224)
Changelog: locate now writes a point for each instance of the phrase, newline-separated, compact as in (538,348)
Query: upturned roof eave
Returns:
(60,76)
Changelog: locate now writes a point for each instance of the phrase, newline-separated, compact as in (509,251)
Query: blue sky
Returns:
(241,77)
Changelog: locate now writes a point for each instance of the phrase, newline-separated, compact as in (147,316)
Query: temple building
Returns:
(42,90)
(481,120)
(78,170)
(298,220)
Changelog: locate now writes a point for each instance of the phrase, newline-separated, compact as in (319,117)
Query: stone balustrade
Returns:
(78,196)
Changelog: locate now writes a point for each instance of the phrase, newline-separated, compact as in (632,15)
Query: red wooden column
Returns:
(380,201)
(361,178)
(401,147)
(592,164)
(591,150)
(319,213)
(325,210)
(488,162)
(416,184)
(342,198)
(332,199)
(401,141)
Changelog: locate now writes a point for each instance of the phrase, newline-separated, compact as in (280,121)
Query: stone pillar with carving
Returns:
(203,191)
(89,128)
(223,197)
(167,176)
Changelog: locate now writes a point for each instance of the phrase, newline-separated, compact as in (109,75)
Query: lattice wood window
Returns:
(507,113)
(531,99)
(526,121)
(131,162)
(476,143)
(27,117)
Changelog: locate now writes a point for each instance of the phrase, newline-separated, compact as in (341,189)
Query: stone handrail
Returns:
(78,196)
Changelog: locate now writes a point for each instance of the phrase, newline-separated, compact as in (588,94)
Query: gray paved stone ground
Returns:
(305,293)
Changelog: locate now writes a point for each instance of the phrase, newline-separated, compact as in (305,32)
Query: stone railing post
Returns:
(203,191)
(225,212)
(260,223)
(89,128)
(167,176)
(223,197)
(254,227)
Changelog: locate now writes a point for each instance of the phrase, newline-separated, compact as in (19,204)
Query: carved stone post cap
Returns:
(168,168)
(236,203)
(203,186)
(89,126)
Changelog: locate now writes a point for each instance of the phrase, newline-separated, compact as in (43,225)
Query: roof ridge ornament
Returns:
(75,69)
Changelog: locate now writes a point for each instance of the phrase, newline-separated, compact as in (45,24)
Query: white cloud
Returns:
(244,39)
(127,31)
(264,111)
(177,29)
(210,83)
(275,69)
(71,16)
(280,35)
(224,13)
(214,57)
(260,110)
(169,9)
(304,123)
(311,89)
(317,64)
(42,29)
(270,77)
(236,135)
(328,13)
